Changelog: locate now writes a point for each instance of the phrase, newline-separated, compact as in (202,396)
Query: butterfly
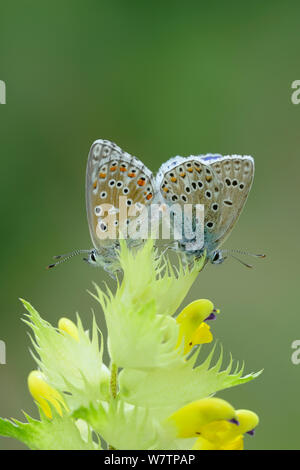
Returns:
(113,175)
(221,184)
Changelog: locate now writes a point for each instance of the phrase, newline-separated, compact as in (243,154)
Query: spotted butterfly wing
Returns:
(112,173)
(221,184)
(237,173)
(191,181)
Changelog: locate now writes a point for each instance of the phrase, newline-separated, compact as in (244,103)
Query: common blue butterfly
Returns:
(112,173)
(220,183)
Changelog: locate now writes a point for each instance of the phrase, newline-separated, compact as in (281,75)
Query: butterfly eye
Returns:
(93,257)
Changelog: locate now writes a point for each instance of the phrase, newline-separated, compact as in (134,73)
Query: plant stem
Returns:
(113,388)
(113,380)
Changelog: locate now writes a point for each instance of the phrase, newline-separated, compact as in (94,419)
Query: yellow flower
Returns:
(227,435)
(191,419)
(68,327)
(43,393)
(192,327)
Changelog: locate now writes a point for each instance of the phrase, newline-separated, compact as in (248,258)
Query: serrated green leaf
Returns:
(127,427)
(69,365)
(56,434)
(180,383)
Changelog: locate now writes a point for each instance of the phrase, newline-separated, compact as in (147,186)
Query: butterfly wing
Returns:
(191,181)
(236,173)
(112,173)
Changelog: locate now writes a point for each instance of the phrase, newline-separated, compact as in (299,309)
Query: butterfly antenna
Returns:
(65,257)
(246,253)
(242,262)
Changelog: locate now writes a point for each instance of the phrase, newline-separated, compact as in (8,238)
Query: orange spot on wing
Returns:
(102,175)
(113,168)
(131,175)
(95,185)
(190,170)
(208,178)
(123,169)
(165,189)
(173,179)
(141,182)
(149,196)
(182,175)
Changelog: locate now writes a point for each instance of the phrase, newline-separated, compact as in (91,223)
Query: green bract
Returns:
(149,378)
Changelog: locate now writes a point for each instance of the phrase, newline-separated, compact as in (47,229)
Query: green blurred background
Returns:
(160,79)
